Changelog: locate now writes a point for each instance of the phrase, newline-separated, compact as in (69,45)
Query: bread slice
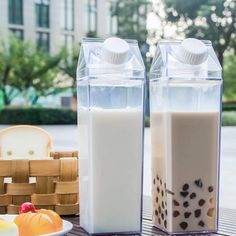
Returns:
(24,141)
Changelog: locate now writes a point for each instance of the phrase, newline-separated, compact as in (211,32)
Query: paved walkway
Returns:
(65,138)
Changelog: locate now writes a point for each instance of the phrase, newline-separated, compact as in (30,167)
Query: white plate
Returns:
(67,226)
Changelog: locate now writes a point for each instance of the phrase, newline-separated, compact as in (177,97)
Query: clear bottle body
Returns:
(110,122)
(185,133)
(185,121)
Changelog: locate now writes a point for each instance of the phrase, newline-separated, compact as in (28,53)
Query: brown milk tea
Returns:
(187,145)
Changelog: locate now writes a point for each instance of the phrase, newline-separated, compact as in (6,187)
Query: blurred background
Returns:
(39,48)
(40,43)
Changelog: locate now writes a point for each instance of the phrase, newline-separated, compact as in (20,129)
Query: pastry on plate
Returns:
(33,222)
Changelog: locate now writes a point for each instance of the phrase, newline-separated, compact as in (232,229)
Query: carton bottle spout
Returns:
(192,51)
(115,50)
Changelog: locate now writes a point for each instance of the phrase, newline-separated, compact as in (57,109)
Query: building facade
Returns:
(52,24)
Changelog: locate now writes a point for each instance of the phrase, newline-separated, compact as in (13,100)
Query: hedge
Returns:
(54,116)
(37,116)
(231,106)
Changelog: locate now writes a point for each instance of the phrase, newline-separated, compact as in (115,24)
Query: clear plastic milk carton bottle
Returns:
(110,89)
(185,111)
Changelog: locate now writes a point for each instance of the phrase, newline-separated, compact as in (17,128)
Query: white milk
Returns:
(185,148)
(112,190)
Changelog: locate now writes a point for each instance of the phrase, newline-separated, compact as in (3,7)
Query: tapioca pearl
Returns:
(166,212)
(176,213)
(176,203)
(197,213)
(184,194)
(165,223)
(211,212)
(162,204)
(193,195)
(211,200)
(186,204)
(157,177)
(154,181)
(159,221)
(160,181)
(185,187)
(210,189)
(158,189)
(201,202)
(187,214)
(157,199)
(156,212)
(162,193)
(183,225)
(201,223)
(162,216)
(159,209)
(165,185)
(198,183)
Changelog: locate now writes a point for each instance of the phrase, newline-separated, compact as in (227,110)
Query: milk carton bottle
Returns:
(110,90)
(185,111)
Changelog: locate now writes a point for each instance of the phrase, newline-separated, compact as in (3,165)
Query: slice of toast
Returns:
(24,141)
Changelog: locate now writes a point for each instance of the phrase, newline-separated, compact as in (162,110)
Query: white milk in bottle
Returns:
(110,120)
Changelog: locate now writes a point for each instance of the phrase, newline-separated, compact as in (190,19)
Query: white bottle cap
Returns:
(115,50)
(192,51)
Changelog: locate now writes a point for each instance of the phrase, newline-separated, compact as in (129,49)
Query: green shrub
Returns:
(229,106)
(54,116)
(229,85)
(229,118)
(37,116)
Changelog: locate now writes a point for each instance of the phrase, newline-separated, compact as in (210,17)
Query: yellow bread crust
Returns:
(34,224)
(49,146)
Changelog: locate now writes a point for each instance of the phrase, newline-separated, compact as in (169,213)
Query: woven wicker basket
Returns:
(50,184)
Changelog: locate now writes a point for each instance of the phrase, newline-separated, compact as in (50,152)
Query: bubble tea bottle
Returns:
(185,111)
(110,90)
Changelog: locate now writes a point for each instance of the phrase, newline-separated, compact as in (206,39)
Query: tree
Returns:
(229,78)
(69,66)
(214,20)
(34,70)
(24,67)
(44,86)
(131,16)
(8,59)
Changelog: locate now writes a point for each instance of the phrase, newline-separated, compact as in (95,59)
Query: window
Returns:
(43,41)
(67,15)
(68,42)
(15,12)
(42,13)
(92,16)
(18,33)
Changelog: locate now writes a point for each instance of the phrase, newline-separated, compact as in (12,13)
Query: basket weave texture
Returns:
(49,184)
